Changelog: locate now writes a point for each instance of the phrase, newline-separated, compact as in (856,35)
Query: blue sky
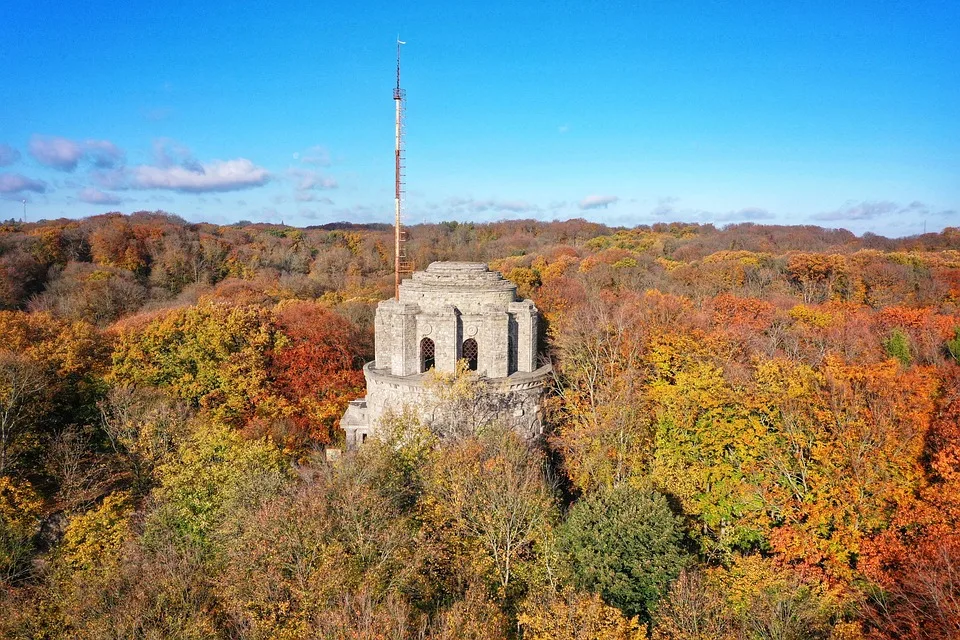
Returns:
(836,114)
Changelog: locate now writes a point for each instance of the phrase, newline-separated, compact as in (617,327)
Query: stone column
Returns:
(406,349)
(492,343)
(526,316)
(383,335)
(446,336)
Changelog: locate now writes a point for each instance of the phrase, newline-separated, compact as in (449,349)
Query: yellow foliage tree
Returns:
(95,538)
(20,508)
(573,615)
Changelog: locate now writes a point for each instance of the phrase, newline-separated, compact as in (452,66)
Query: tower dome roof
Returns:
(469,286)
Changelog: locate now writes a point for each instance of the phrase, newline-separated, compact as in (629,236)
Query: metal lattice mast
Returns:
(401,264)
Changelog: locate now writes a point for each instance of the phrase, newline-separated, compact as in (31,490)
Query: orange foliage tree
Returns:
(319,370)
(916,562)
(862,448)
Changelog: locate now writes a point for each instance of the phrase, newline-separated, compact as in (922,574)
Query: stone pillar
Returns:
(383,335)
(406,348)
(492,343)
(446,336)
(526,316)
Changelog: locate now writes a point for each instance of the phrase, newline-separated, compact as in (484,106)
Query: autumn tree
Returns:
(708,447)
(916,560)
(317,368)
(214,478)
(99,295)
(573,615)
(117,243)
(863,464)
(604,431)
(20,509)
(21,404)
(48,378)
(693,610)
(299,558)
(213,356)
(21,276)
(487,503)
(144,427)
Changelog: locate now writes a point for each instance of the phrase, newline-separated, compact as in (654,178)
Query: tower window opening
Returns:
(427,355)
(470,353)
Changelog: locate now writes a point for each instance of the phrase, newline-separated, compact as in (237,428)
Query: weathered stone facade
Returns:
(452,311)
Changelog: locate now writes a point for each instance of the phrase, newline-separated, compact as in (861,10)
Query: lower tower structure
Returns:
(452,311)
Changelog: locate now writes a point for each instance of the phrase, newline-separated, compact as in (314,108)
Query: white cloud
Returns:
(598,202)
(8,155)
(217,175)
(59,153)
(95,196)
(65,154)
(16,183)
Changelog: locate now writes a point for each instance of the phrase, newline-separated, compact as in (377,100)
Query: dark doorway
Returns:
(470,353)
(427,355)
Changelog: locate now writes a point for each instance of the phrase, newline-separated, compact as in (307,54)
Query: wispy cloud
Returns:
(111,178)
(8,155)
(357,213)
(229,175)
(747,214)
(667,210)
(103,153)
(168,152)
(597,202)
(157,114)
(892,215)
(16,183)
(95,196)
(65,154)
(317,154)
(867,210)
(307,196)
(461,206)
(308,179)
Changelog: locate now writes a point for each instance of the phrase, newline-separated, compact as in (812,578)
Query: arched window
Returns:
(427,355)
(470,353)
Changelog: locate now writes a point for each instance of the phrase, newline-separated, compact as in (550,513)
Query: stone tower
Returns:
(452,311)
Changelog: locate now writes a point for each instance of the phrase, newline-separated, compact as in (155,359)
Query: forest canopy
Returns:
(753,432)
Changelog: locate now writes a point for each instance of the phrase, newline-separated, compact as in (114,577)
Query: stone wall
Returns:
(517,399)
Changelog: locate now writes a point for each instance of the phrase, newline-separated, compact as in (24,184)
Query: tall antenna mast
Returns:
(401,263)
